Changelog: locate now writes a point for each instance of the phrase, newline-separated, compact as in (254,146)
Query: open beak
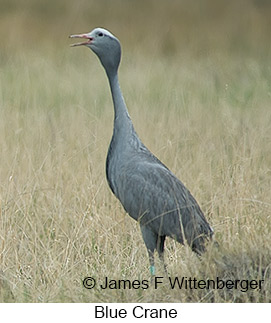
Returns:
(85,36)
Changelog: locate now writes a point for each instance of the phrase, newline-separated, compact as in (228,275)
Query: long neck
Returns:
(122,121)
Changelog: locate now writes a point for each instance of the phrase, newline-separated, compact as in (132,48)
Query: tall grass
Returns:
(197,83)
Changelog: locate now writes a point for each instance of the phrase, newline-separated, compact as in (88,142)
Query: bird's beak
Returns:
(85,36)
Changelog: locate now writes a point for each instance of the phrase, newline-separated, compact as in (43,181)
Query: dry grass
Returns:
(197,83)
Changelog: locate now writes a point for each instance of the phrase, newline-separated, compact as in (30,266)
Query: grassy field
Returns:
(197,82)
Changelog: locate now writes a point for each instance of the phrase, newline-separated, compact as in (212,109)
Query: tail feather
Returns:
(201,235)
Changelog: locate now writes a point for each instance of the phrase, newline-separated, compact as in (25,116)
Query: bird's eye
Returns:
(100,34)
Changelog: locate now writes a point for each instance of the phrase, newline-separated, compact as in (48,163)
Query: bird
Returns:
(148,191)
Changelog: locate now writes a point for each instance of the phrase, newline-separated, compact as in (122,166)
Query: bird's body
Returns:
(149,192)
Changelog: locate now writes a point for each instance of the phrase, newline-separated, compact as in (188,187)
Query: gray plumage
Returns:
(149,192)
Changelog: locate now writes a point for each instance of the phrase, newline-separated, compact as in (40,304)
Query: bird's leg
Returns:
(150,238)
(161,257)
(160,249)
(151,260)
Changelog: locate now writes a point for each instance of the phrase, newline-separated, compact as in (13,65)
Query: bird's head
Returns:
(105,45)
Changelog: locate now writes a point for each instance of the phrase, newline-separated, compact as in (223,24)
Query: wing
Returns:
(152,195)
